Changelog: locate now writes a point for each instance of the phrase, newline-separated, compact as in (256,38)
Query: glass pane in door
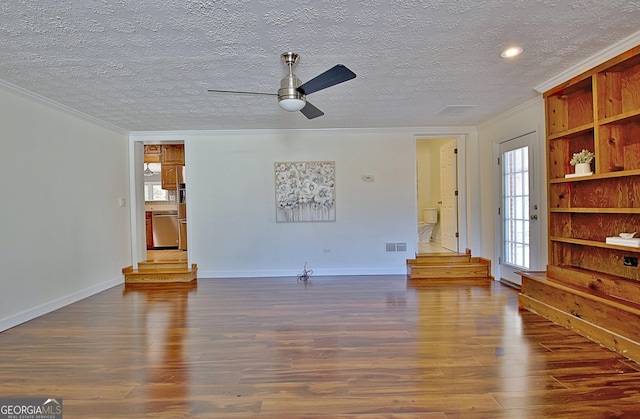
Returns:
(515,181)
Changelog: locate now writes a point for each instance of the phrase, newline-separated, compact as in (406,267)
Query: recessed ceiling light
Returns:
(511,52)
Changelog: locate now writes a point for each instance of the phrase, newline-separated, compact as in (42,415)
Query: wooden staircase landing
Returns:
(448,267)
(160,271)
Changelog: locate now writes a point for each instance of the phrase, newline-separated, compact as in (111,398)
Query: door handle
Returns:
(534,217)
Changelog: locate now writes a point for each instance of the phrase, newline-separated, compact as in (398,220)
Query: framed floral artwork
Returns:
(305,191)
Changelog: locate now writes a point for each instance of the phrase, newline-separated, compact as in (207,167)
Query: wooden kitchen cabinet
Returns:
(152,153)
(168,176)
(149,227)
(172,154)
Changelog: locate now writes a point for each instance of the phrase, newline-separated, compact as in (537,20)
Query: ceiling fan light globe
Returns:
(292,104)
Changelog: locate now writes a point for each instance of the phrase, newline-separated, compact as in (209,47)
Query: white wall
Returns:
(64,237)
(526,118)
(231,203)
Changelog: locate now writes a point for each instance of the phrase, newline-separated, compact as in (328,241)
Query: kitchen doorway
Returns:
(165,210)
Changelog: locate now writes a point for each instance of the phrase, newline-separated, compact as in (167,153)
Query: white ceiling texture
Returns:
(146,65)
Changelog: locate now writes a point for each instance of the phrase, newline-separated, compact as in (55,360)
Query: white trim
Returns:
(591,62)
(32,313)
(183,135)
(59,106)
(508,114)
(204,275)
(462,173)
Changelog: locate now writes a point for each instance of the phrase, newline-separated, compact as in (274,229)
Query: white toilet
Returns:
(425,227)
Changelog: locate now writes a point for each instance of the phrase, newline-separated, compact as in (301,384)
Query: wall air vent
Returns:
(395,247)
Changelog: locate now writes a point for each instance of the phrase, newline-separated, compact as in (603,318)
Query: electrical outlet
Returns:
(630,261)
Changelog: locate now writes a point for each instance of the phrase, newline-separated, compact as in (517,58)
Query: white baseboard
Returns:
(316,272)
(32,313)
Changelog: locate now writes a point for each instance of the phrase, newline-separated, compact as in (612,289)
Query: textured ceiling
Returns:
(147,64)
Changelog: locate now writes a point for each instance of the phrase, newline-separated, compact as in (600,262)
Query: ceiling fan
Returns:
(292,95)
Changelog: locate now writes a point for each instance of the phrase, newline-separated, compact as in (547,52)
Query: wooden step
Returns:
(167,275)
(458,270)
(610,321)
(448,266)
(437,258)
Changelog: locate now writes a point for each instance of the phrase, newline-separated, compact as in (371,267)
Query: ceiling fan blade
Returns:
(241,92)
(335,75)
(311,111)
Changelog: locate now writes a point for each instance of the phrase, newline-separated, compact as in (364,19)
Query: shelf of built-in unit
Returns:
(624,117)
(593,243)
(574,132)
(608,175)
(596,210)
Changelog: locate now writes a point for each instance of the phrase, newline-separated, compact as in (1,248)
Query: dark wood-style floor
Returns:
(336,347)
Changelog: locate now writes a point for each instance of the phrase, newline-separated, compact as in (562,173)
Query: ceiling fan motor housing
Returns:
(290,97)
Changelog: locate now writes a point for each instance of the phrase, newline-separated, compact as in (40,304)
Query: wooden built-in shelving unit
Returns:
(598,111)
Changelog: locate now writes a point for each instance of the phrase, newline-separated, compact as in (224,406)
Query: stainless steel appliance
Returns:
(182,209)
(165,230)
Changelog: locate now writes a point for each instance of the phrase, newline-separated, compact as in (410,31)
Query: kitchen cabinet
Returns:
(172,154)
(152,153)
(168,176)
(149,229)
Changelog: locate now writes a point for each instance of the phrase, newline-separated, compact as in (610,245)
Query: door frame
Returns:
(461,143)
(136,188)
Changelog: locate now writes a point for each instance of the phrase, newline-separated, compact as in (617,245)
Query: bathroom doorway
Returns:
(436,195)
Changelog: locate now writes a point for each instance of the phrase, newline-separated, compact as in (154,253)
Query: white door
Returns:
(518,209)
(449,193)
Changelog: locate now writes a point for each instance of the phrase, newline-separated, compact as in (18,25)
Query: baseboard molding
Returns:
(511,284)
(316,272)
(32,313)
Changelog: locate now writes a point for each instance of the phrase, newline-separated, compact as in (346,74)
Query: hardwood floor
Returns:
(335,347)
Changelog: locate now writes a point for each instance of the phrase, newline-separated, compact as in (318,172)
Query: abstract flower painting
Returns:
(305,191)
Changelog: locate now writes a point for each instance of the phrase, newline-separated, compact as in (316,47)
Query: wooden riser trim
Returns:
(135,276)
(448,271)
(608,313)
(436,258)
(417,282)
(606,338)
(161,266)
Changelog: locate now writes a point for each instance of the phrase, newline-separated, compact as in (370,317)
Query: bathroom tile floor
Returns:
(431,247)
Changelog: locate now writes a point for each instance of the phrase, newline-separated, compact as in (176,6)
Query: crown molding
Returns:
(591,62)
(34,97)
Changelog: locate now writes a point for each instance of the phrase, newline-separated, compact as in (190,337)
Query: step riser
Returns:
(167,275)
(442,266)
(441,259)
(447,273)
(145,266)
(140,278)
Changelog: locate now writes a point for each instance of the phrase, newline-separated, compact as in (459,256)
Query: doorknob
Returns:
(439,202)
(534,217)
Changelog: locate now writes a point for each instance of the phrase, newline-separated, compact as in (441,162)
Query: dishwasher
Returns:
(165,230)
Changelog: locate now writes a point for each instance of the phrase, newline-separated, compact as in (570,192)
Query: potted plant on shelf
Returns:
(582,162)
